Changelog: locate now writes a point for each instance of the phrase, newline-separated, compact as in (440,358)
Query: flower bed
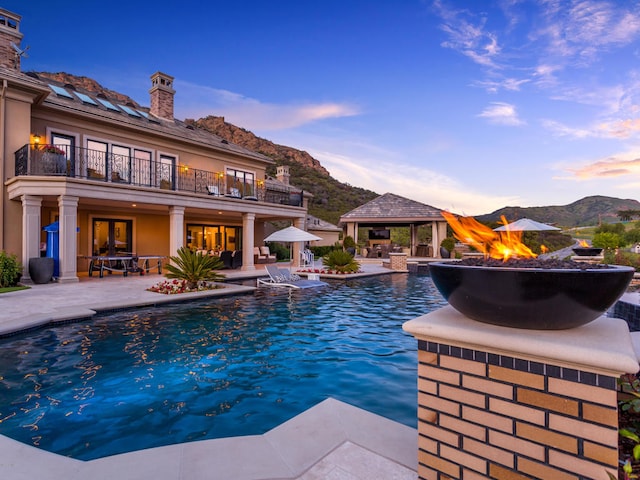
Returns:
(323,271)
(171,287)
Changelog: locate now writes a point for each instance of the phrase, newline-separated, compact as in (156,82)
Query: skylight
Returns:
(130,111)
(108,104)
(144,114)
(86,98)
(60,91)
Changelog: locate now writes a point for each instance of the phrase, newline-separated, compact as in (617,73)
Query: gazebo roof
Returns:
(392,209)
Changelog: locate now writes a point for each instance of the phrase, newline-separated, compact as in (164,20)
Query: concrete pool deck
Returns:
(332,440)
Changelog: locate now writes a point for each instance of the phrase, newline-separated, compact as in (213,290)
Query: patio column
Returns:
(248,222)
(498,402)
(176,229)
(413,230)
(31,206)
(438,233)
(68,238)
(296,247)
(352,231)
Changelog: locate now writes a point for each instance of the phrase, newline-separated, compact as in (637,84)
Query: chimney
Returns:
(282,174)
(162,94)
(10,34)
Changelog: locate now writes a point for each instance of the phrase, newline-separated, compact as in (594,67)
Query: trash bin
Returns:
(53,246)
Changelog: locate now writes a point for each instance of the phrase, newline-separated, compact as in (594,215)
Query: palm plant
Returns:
(340,261)
(194,268)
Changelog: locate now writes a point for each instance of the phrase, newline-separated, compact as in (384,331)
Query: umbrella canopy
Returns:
(291,234)
(525,224)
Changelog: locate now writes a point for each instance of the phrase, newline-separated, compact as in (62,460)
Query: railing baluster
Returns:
(99,166)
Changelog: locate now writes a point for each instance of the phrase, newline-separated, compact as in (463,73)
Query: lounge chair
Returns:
(280,277)
(266,252)
(259,257)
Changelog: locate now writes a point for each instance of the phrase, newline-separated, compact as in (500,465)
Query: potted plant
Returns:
(54,159)
(446,247)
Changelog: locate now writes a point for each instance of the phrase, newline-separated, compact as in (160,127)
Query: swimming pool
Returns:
(222,367)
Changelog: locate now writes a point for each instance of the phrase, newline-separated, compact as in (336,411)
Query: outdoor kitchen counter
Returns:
(604,344)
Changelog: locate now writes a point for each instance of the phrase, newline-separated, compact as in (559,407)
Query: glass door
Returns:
(67,144)
(112,237)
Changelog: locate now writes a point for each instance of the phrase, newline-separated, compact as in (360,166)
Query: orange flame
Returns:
(583,243)
(500,245)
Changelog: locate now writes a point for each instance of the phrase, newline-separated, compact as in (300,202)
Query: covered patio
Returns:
(390,210)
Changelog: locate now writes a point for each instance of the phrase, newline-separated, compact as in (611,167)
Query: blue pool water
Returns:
(222,367)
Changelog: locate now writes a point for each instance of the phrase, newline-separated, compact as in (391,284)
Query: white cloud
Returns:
(624,164)
(468,38)
(502,114)
(417,183)
(509,84)
(198,101)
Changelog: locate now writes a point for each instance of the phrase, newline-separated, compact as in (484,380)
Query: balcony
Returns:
(101,167)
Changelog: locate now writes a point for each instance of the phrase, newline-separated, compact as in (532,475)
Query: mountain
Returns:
(585,212)
(331,198)
(246,139)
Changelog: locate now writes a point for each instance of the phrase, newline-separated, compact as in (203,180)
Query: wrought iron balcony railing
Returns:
(99,166)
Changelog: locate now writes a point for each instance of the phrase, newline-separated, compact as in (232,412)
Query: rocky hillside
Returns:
(86,83)
(585,212)
(331,198)
(246,139)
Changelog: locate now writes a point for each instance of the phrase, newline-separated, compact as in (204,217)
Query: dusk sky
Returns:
(467,106)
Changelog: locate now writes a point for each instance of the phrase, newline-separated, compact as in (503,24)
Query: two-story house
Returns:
(120,177)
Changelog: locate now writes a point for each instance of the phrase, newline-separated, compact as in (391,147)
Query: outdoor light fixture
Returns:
(36,139)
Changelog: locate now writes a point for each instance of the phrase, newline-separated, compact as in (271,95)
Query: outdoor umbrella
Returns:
(525,224)
(291,234)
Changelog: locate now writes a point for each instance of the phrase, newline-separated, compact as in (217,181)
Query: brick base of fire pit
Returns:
(497,402)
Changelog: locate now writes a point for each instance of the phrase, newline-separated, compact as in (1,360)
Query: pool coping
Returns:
(285,452)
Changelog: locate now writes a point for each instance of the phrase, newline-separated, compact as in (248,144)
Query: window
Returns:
(120,164)
(108,105)
(214,237)
(68,144)
(141,168)
(165,172)
(96,159)
(239,181)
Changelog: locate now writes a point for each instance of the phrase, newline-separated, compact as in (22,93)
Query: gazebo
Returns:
(390,210)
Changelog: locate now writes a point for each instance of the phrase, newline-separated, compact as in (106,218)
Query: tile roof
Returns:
(390,208)
(315,223)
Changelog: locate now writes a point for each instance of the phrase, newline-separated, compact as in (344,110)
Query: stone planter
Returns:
(41,269)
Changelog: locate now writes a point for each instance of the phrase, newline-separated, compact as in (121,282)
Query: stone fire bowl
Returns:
(533,298)
(587,251)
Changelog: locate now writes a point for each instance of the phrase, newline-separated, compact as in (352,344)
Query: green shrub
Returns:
(449,243)
(10,270)
(348,242)
(607,240)
(340,261)
(621,257)
(321,251)
(280,251)
(194,267)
